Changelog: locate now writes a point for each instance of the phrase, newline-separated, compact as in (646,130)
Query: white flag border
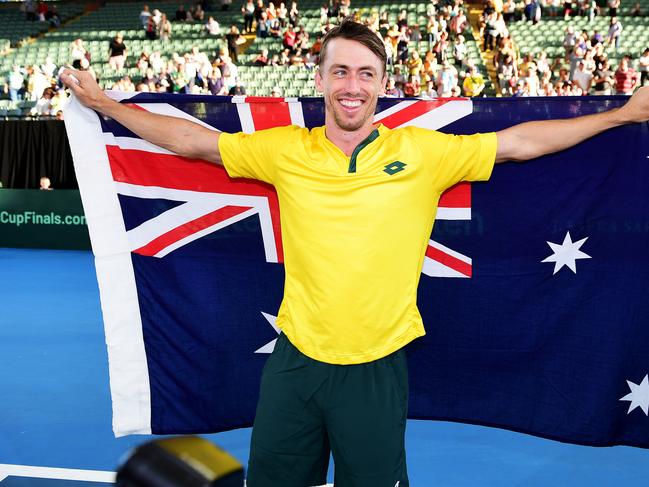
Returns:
(127,362)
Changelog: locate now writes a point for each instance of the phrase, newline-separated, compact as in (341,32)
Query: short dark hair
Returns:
(355,31)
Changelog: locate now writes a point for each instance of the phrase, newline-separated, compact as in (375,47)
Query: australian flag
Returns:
(534,291)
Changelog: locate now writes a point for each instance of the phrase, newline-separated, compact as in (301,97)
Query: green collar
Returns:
(369,139)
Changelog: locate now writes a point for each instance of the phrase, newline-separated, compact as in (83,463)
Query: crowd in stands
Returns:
(41,12)
(586,68)
(428,60)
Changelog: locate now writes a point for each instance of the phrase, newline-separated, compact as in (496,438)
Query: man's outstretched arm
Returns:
(180,136)
(534,139)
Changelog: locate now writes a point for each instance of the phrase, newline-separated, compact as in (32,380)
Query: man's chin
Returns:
(350,125)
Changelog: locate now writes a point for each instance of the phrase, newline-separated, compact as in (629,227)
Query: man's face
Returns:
(351,79)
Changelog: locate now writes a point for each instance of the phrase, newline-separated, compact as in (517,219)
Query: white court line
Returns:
(7,470)
(55,473)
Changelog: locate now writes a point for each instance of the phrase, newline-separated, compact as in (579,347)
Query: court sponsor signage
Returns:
(42,219)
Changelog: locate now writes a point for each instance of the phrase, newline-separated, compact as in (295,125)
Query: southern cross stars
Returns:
(566,254)
(639,395)
(270,346)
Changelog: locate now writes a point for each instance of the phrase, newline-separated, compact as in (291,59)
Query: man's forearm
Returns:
(534,139)
(171,133)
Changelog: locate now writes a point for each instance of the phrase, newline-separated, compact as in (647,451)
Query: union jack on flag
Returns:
(189,265)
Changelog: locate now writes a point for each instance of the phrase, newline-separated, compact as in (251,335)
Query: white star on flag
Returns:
(566,254)
(639,395)
(270,346)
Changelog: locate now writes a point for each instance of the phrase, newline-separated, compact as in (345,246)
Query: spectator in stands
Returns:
(124,84)
(275,92)
(613,5)
(151,30)
(507,77)
(181,14)
(626,78)
(532,11)
(155,61)
(415,65)
(165,28)
(297,59)
(289,39)
(415,34)
(144,16)
(37,82)
(85,66)
(636,11)
(324,13)
(77,53)
(458,24)
(490,31)
(212,26)
(275,28)
(142,62)
(263,30)
(248,11)
(117,53)
(29,7)
(391,89)
(459,50)
(402,44)
(593,10)
(302,41)
(234,40)
(215,83)
(583,77)
(43,106)
(259,10)
(474,83)
(238,89)
(282,15)
(285,57)
(412,88)
(196,12)
(569,40)
(41,11)
(603,78)
(447,80)
(644,68)
(58,102)
(45,184)
(294,14)
(271,11)
(441,47)
(52,16)
(262,59)
(614,32)
(48,67)
(150,80)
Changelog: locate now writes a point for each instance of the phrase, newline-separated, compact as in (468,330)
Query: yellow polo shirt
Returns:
(355,229)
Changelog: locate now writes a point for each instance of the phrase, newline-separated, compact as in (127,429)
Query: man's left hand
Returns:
(637,108)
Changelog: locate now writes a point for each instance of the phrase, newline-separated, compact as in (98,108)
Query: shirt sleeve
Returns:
(253,155)
(455,158)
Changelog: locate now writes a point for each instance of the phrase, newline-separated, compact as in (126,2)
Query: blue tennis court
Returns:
(55,421)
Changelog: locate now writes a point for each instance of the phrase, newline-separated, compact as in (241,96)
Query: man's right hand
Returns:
(85,88)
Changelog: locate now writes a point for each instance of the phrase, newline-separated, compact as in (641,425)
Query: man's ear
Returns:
(318,81)
(384,82)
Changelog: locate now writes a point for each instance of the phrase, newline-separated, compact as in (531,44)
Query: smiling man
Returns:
(358,202)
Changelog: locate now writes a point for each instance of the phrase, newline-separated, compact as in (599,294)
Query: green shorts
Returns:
(308,409)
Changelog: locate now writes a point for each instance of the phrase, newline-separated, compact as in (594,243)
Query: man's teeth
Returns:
(350,103)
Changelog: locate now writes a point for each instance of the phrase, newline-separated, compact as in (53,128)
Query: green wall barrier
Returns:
(30,218)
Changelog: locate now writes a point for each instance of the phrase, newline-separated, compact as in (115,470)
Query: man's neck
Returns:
(345,140)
